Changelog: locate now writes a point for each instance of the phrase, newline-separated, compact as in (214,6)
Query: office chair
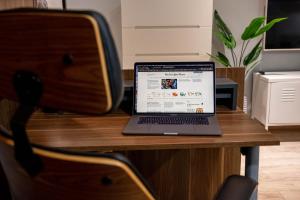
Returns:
(67,61)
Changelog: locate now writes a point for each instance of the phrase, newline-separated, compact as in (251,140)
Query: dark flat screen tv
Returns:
(284,35)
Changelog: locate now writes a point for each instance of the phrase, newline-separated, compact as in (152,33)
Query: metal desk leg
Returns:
(252,164)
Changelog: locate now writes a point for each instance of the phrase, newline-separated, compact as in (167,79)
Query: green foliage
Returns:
(268,26)
(222,59)
(256,28)
(251,30)
(224,34)
(228,42)
(253,55)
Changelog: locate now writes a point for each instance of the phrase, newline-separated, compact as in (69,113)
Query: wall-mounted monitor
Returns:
(284,35)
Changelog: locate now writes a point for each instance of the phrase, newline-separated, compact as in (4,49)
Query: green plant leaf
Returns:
(221,24)
(223,32)
(228,42)
(252,28)
(268,26)
(253,55)
(221,58)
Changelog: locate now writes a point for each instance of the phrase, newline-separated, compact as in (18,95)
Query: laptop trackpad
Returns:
(172,129)
(167,129)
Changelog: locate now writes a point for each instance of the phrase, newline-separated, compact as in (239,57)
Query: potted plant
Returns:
(243,62)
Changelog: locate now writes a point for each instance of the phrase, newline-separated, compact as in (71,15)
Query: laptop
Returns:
(175,98)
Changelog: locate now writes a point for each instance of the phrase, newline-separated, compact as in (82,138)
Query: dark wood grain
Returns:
(128,74)
(7,109)
(286,133)
(206,178)
(221,72)
(232,161)
(237,74)
(186,174)
(75,177)
(94,133)
(168,171)
(189,167)
(8,4)
(38,42)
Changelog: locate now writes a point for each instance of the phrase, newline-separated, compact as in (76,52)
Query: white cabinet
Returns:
(166,30)
(276,99)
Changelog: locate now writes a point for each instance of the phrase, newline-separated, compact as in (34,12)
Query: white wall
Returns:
(236,13)
(54,4)
(110,9)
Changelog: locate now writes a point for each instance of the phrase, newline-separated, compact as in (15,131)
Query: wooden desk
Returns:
(178,167)
(96,133)
(286,133)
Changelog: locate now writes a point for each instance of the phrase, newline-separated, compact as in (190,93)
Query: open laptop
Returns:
(175,98)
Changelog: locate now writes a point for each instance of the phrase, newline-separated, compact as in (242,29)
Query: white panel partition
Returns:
(166,30)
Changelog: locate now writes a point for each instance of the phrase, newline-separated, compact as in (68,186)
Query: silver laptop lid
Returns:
(174,88)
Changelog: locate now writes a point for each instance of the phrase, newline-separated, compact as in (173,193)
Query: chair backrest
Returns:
(73,176)
(72,53)
(66,61)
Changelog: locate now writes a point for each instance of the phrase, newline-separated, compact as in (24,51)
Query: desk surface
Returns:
(201,163)
(286,133)
(94,133)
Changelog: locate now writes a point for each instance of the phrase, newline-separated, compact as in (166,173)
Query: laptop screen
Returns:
(175,88)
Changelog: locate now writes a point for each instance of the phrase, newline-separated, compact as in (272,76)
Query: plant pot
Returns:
(237,74)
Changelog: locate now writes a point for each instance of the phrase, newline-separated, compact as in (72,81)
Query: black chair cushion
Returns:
(237,188)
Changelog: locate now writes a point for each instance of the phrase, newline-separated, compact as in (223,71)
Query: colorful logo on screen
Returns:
(199,110)
(183,94)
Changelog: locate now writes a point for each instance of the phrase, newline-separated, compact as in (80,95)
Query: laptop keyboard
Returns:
(174,120)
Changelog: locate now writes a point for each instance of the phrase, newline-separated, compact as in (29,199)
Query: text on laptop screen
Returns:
(175,88)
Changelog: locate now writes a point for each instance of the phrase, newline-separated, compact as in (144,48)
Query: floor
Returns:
(280,172)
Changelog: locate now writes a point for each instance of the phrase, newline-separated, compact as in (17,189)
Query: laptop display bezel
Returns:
(173,113)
